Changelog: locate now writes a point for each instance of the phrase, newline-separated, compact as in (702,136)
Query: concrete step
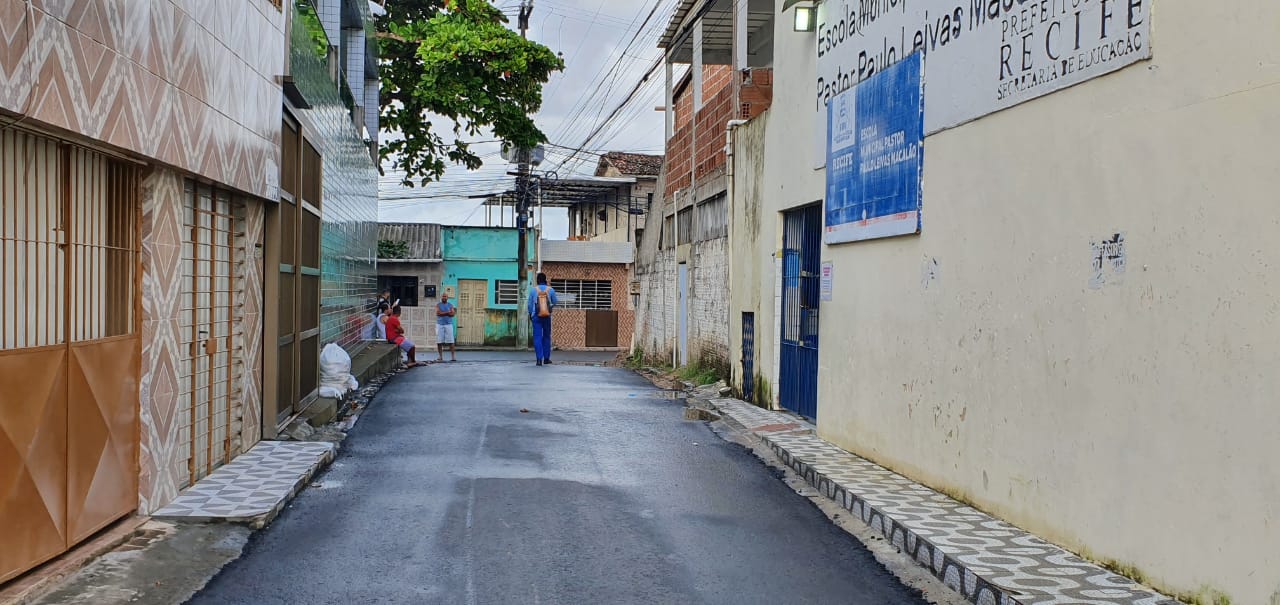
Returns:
(253,488)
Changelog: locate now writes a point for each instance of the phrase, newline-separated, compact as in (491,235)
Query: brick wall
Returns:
(728,95)
(755,94)
(569,328)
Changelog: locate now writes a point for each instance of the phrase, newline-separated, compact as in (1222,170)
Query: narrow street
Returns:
(446,492)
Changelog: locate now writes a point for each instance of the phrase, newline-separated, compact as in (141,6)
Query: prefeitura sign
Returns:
(875,153)
(981,55)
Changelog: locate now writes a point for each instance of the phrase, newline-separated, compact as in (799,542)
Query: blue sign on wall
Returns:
(875,155)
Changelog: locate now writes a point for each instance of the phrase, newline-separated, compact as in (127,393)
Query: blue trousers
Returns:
(542,337)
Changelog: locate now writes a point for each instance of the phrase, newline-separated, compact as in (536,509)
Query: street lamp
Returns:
(806,18)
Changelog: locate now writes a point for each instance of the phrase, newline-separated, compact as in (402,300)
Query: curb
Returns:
(984,559)
(46,578)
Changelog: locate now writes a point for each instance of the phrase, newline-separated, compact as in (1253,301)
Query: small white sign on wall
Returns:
(827,272)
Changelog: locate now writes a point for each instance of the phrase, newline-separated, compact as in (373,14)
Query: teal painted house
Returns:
(481,277)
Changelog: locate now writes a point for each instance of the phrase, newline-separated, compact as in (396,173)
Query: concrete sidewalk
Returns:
(985,559)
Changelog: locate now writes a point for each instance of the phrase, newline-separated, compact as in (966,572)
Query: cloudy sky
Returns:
(606,53)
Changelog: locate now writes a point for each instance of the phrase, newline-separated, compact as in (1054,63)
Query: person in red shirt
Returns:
(395,336)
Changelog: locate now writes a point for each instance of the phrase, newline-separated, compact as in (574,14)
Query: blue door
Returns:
(748,356)
(801,267)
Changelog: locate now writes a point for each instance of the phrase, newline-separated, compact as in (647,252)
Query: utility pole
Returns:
(522,207)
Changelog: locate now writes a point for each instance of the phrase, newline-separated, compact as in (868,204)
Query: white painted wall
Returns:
(773,172)
(1135,422)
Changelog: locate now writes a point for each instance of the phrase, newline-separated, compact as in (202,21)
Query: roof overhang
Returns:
(563,193)
(717,29)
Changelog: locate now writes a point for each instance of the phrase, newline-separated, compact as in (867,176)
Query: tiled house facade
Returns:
(156,131)
(140,89)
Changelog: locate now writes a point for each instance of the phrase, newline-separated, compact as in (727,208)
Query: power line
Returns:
(587,142)
(619,108)
(607,73)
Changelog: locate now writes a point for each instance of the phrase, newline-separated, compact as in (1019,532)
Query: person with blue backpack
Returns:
(542,301)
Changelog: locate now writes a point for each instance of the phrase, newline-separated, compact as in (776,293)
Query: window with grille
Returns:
(588,294)
(507,292)
(68,243)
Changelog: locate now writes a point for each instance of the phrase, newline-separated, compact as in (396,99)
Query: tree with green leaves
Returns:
(458,60)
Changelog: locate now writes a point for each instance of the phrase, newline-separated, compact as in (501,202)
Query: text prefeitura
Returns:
(1057,25)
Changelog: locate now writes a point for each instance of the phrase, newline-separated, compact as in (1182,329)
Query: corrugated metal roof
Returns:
(423,238)
(604,253)
(673,26)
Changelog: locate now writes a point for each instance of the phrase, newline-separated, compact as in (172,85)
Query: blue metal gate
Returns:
(748,356)
(801,267)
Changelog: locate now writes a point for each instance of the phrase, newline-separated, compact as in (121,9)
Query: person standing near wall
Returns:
(445,311)
(381,308)
(542,301)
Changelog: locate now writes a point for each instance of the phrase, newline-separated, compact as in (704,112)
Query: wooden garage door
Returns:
(69,346)
(602,328)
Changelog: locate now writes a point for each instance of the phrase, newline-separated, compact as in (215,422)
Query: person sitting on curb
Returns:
(395,336)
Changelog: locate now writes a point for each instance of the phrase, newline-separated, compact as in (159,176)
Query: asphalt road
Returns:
(446,492)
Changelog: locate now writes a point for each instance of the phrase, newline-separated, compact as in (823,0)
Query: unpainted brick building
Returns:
(682,309)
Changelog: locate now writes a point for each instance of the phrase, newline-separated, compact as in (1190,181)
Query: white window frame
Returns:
(506,292)
(584,294)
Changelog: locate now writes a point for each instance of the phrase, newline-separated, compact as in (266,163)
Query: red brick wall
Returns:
(569,327)
(726,97)
(755,96)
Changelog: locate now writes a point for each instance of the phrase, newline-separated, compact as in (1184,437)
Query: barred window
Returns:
(507,292)
(584,293)
(403,288)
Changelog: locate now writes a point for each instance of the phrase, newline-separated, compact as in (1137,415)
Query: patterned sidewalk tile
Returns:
(985,559)
(759,420)
(253,487)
